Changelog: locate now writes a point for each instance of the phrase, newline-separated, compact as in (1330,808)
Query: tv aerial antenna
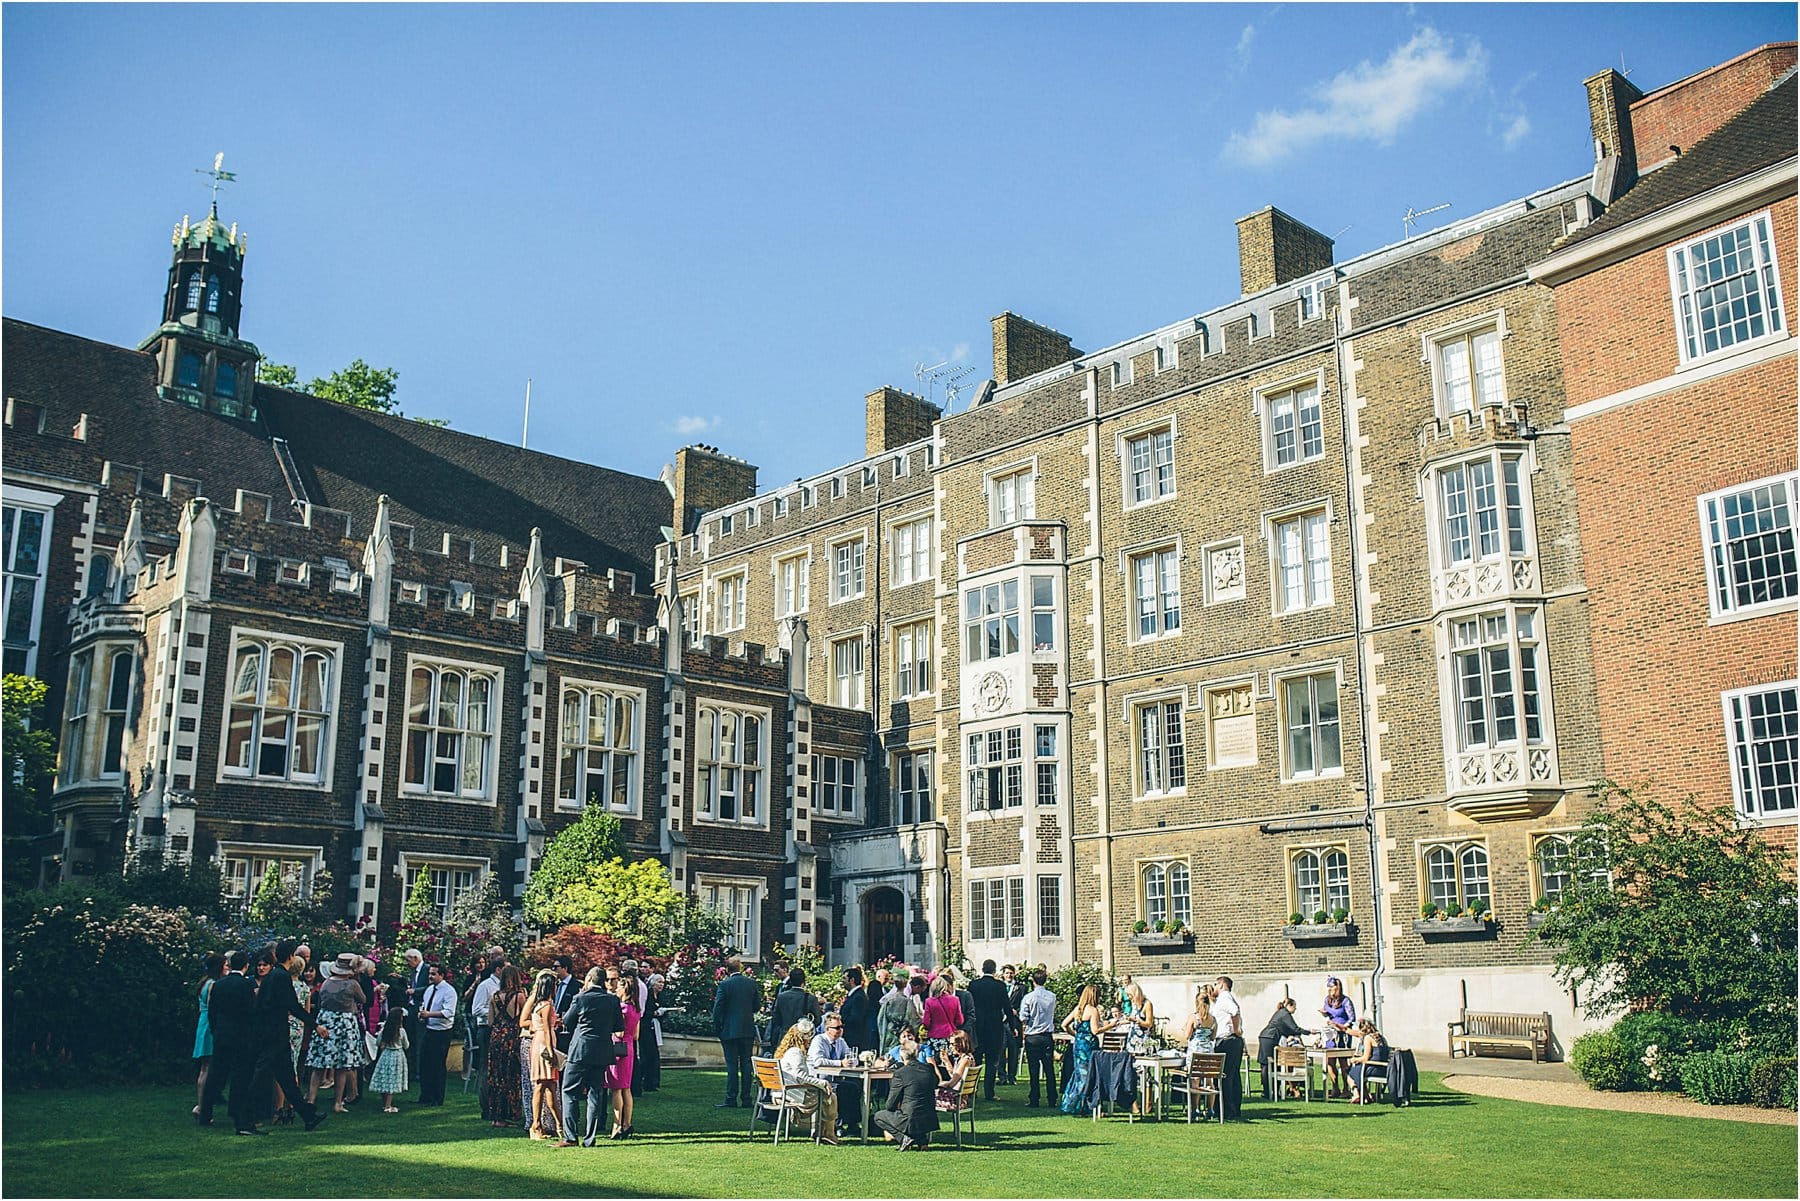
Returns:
(943,373)
(1412,216)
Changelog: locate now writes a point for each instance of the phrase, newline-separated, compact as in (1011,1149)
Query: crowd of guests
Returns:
(275,1031)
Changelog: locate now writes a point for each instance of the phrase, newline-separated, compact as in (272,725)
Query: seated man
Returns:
(911,1113)
(828,1049)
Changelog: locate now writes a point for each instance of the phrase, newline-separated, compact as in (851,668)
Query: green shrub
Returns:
(1718,1077)
(1068,982)
(1654,1044)
(1772,1083)
(1602,1060)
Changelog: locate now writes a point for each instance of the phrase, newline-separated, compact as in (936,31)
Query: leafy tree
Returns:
(1696,915)
(421,905)
(630,901)
(195,885)
(359,384)
(279,375)
(30,761)
(595,839)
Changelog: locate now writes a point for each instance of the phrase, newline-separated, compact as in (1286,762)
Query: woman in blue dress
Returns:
(203,1037)
(1084,1022)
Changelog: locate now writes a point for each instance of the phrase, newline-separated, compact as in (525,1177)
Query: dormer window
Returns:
(193,291)
(212,294)
(225,380)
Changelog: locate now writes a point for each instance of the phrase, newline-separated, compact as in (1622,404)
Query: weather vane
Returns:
(219,176)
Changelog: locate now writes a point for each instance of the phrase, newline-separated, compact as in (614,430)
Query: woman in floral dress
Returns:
(501,1103)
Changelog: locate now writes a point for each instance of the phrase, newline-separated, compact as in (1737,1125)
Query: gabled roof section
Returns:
(1759,136)
(439,481)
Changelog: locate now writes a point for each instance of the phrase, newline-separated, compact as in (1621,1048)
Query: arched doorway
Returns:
(884,924)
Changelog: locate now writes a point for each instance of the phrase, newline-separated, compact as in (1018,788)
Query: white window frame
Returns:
(1466,332)
(1309,675)
(491,736)
(573,760)
(302,648)
(849,579)
(713,771)
(256,857)
(1325,888)
(691,624)
(1154,769)
(1721,576)
(850,671)
(1764,270)
(975,624)
(911,540)
(1460,852)
(1571,867)
(994,763)
(20,500)
(1747,791)
(1501,527)
(1162,905)
(1316,591)
(998,904)
(410,865)
(78,718)
(1229,689)
(1011,493)
(1267,401)
(1165,355)
(1159,482)
(1049,906)
(837,784)
(1046,774)
(914,651)
(1309,304)
(793,597)
(730,605)
(913,786)
(745,897)
(1163,604)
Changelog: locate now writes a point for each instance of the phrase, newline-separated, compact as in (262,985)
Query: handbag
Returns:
(371,1046)
(557,1059)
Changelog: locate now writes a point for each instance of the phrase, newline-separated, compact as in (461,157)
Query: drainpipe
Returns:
(1101,757)
(1364,656)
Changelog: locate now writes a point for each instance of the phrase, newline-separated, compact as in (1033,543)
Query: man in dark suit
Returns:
(275,1003)
(594,1017)
(415,981)
(566,988)
(911,1113)
(859,1030)
(228,1009)
(995,1017)
(1015,995)
(734,1022)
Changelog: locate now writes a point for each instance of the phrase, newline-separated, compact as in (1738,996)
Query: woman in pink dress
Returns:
(618,1077)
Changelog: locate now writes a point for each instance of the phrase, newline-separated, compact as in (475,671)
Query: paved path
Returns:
(1556,1084)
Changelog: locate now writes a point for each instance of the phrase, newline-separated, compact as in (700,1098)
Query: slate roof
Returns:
(1759,136)
(438,480)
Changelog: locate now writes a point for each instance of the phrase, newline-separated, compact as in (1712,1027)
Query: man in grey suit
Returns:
(734,1021)
(593,1018)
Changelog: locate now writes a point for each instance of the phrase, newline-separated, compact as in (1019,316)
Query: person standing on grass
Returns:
(994,1021)
(540,1019)
(621,1077)
(501,1103)
(1037,1021)
(275,1003)
(480,1006)
(437,1010)
(229,1005)
(388,1076)
(211,969)
(734,1024)
(1015,996)
(593,1020)
(1230,1018)
(337,1047)
(649,1070)
(417,980)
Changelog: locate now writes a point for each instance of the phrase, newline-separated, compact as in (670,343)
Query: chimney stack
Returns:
(896,418)
(1273,248)
(1615,151)
(1023,348)
(705,480)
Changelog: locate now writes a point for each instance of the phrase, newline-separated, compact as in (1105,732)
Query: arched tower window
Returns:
(193,291)
(225,380)
(212,294)
(187,370)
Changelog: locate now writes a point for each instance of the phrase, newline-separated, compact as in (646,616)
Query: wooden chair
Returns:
(1201,1078)
(964,1107)
(1114,1040)
(784,1100)
(1373,1074)
(1291,1067)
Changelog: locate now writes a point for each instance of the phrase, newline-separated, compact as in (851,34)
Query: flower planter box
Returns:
(1320,932)
(1163,942)
(1453,927)
(688,1048)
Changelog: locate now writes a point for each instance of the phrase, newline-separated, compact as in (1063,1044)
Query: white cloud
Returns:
(1516,132)
(695,425)
(959,352)
(1369,102)
(1244,40)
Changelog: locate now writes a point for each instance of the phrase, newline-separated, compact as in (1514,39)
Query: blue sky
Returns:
(728,223)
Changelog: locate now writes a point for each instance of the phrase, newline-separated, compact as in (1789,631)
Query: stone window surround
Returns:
(1131,706)
(636,747)
(1430,341)
(758,889)
(1259,407)
(333,707)
(861,584)
(1278,679)
(1122,444)
(1271,519)
(497,701)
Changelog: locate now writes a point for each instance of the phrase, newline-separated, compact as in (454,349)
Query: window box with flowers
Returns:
(1334,926)
(1163,936)
(1450,921)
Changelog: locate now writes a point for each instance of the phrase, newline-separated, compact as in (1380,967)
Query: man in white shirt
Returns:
(829,1049)
(1229,1041)
(1037,1019)
(438,1010)
(479,1005)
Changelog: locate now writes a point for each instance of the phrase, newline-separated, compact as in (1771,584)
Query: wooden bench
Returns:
(1479,1027)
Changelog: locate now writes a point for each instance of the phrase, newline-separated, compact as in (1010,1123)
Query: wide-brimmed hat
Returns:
(347,964)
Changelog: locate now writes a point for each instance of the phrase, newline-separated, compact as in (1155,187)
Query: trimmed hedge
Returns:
(1600,1059)
(1772,1083)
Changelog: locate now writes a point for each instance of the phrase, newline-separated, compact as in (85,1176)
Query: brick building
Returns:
(1673,311)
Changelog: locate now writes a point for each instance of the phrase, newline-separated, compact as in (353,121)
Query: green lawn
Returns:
(141,1142)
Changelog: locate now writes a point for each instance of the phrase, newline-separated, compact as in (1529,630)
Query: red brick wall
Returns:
(1618,325)
(1684,112)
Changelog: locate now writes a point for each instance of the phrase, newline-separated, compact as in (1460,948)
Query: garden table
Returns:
(869,1076)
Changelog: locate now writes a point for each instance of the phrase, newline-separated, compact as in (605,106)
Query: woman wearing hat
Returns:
(1340,1019)
(338,1006)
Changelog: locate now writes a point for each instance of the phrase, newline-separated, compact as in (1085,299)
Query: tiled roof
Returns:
(439,480)
(1759,136)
